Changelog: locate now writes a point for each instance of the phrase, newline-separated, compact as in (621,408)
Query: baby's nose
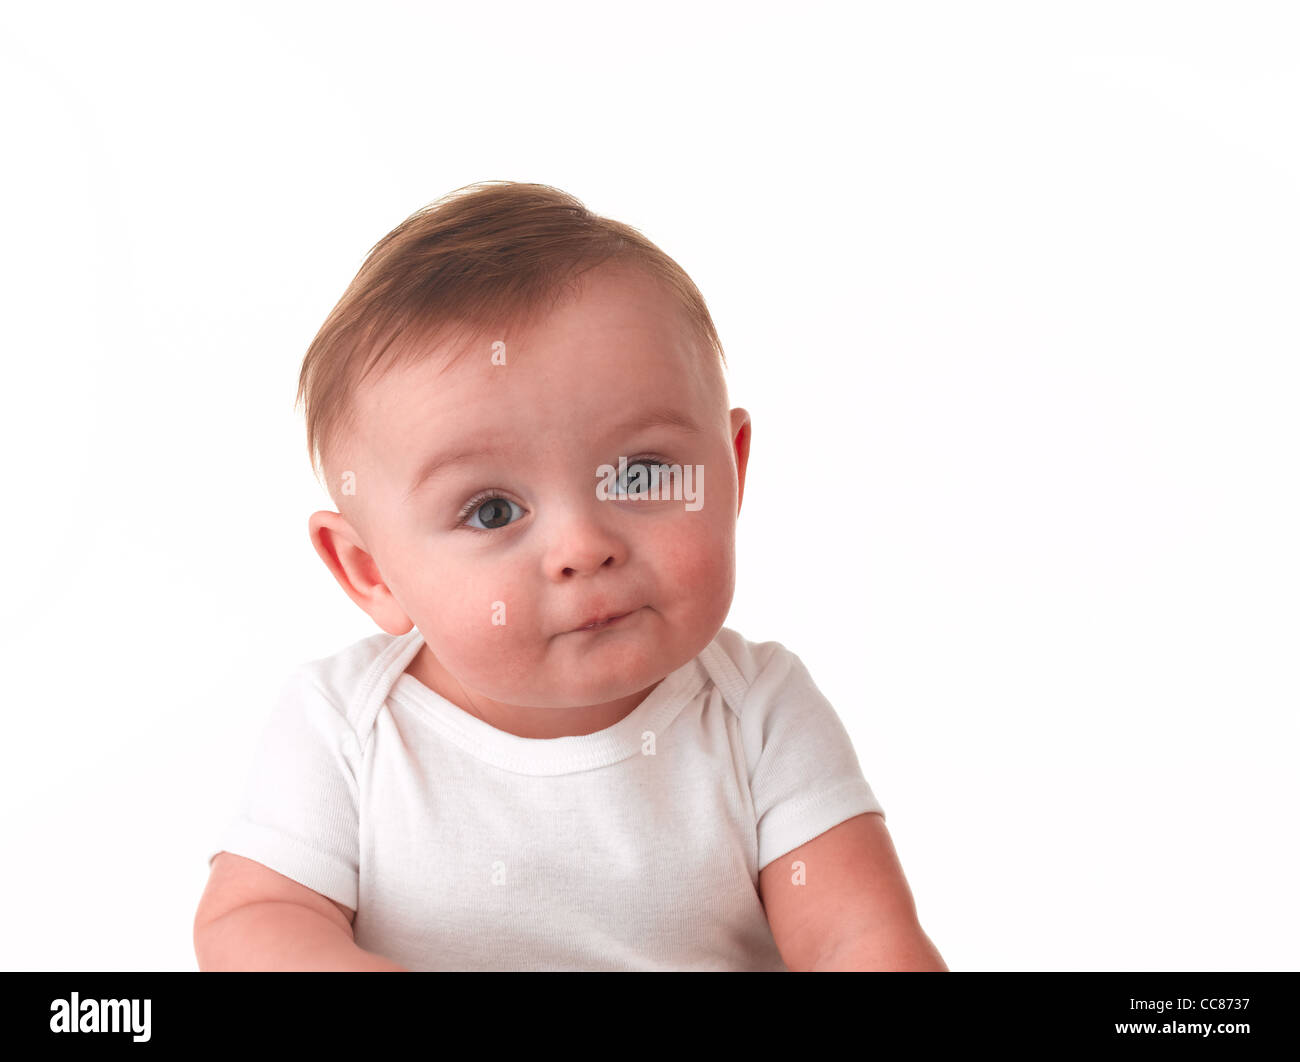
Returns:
(583,544)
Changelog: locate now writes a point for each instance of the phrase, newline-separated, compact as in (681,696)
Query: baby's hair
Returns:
(482,261)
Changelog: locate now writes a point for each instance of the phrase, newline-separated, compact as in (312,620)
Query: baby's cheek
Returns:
(699,560)
(455,612)
(492,621)
(480,653)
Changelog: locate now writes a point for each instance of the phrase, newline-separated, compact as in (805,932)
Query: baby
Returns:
(555,756)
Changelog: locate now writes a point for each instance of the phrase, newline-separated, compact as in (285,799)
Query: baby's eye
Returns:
(654,475)
(493,511)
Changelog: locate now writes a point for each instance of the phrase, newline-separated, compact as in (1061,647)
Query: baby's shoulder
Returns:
(353,681)
(740,666)
(347,668)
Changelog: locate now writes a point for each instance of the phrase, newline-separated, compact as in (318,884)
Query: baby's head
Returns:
(493,355)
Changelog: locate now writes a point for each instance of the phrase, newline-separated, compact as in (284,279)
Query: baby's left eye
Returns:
(654,475)
(494,512)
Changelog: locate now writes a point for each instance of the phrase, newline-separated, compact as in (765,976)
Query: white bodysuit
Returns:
(463,847)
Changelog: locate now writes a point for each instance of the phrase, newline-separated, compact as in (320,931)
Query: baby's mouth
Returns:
(602,624)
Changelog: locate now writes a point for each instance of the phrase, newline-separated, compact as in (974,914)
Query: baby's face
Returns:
(499,557)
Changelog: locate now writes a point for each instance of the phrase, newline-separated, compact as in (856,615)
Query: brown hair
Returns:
(493,255)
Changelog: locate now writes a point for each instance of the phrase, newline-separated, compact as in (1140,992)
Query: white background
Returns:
(1009,290)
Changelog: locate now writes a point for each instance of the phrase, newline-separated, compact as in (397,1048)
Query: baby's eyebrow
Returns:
(660,417)
(442,461)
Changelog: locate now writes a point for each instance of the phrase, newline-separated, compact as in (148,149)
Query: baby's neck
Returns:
(541,723)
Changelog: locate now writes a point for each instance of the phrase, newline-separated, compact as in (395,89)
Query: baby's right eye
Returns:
(491,509)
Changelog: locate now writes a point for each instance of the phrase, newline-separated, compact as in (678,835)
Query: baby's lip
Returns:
(601,617)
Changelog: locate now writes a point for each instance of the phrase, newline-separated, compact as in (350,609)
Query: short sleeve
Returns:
(298,813)
(804,773)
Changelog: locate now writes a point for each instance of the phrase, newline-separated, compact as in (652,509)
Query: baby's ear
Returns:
(741,429)
(344,552)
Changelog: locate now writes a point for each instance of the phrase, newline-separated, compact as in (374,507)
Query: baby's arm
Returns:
(847,905)
(251,918)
